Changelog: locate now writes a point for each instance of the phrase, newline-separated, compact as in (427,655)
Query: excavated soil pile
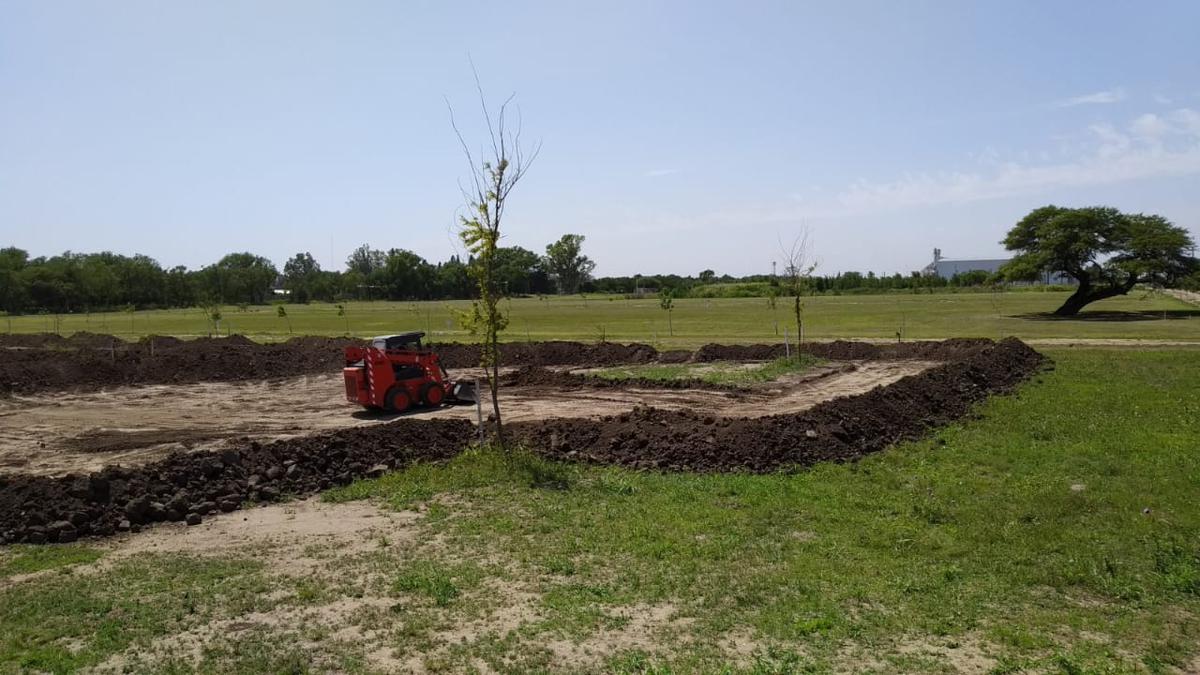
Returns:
(841,429)
(844,350)
(189,486)
(535,376)
(550,353)
(88,361)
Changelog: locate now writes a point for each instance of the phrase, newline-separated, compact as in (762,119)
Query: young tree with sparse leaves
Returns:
(493,178)
(798,266)
(666,300)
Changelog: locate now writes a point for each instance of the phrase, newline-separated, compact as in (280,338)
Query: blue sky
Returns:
(677,136)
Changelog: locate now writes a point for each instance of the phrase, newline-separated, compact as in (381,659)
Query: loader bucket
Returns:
(464,392)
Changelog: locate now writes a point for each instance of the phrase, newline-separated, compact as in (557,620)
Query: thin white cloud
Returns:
(1100,97)
(658,173)
(1151,146)
(1162,100)
(1166,145)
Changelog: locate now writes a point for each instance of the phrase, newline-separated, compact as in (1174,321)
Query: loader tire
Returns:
(433,395)
(398,400)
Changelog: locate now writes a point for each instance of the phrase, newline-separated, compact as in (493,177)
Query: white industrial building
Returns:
(948,267)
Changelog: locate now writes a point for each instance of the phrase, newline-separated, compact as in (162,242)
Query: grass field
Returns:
(1055,533)
(695,321)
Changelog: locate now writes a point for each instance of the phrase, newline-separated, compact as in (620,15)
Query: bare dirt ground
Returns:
(53,434)
(314,542)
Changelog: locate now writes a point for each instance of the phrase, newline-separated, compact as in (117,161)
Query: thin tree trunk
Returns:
(796,309)
(494,385)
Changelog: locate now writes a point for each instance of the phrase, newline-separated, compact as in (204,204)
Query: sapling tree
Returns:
(798,266)
(282,313)
(341,311)
(494,175)
(666,300)
(213,312)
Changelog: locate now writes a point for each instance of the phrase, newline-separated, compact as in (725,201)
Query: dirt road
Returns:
(53,434)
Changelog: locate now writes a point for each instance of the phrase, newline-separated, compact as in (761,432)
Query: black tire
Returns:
(433,395)
(398,400)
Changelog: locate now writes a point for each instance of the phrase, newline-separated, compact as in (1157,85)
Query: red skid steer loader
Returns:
(394,374)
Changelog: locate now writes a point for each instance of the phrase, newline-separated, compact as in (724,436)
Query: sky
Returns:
(676,136)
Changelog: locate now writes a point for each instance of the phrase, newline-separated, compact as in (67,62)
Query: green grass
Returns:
(1032,539)
(717,372)
(438,582)
(28,559)
(66,622)
(696,321)
(1055,532)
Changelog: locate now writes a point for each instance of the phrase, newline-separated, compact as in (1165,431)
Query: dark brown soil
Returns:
(536,376)
(841,429)
(39,509)
(95,362)
(551,353)
(87,361)
(844,350)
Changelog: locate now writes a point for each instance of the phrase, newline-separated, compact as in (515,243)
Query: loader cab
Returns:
(400,342)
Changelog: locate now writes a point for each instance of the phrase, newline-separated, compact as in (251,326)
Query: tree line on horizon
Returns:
(82,282)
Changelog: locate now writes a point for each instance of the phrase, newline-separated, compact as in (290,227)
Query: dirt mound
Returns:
(536,376)
(550,353)
(33,340)
(92,361)
(840,430)
(161,361)
(189,485)
(161,341)
(838,350)
(87,340)
(936,350)
(846,350)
